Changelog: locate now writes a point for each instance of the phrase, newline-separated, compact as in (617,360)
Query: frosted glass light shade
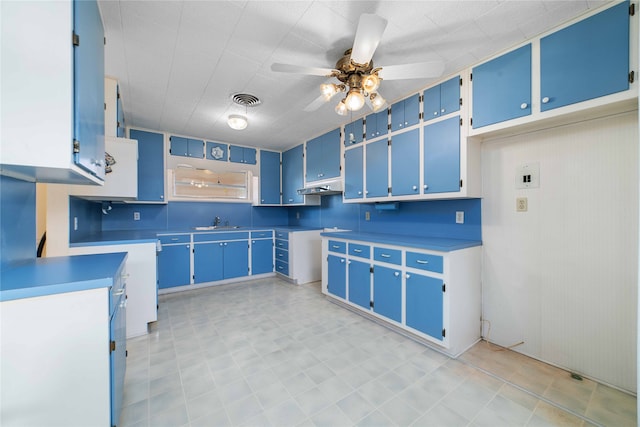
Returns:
(354,100)
(237,122)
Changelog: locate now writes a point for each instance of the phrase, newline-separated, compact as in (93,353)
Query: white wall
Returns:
(563,276)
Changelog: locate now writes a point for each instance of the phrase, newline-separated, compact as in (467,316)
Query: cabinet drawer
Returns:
(261,234)
(216,237)
(282,267)
(359,250)
(282,235)
(393,256)
(282,244)
(282,255)
(424,261)
(340,247)
(175,238)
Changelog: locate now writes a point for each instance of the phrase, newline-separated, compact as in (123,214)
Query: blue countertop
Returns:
(48,276)
(127,237)
(441,244)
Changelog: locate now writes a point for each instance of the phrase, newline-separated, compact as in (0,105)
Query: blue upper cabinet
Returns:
(245,155)
(442,99)
(353,173)
(586,60)
(405,113)
(150,165)
(405,163)
(269,177)
(354,132)
(323,156)
(216,151)
(377,169)
(88,81)
(186,147)
(377,124)
(502,88)
(442,156)
(292,178)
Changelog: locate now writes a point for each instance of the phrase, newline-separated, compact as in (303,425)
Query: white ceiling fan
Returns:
(356,74)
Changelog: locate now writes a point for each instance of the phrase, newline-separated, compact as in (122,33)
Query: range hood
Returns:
(322,188)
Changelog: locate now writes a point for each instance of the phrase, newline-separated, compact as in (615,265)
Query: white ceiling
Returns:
(178,62)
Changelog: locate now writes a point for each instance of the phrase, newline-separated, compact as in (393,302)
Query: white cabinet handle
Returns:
(174,239)
(367,192)
(342,260)
(420,261)
(408,276)
(123,304)
(220,244)
(349,262)
(359,193)
(385,255)
(425,187)
(435,113)
(335,246)
(442,111)
(415,187)
(225,244)
(253,241)
(406,123)
(400,125)
(545,100)
(357,250)
(118,292)
(524,106)
(396,274)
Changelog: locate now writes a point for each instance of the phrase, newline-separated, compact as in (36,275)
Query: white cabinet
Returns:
(142,296)
(122,182)
(52,92)
(433,295)
(298,255)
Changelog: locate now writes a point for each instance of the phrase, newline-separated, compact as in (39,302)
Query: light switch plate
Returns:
(459,217)
(528,176)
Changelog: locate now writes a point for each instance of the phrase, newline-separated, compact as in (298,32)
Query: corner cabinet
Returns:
(433,295)
(53,92)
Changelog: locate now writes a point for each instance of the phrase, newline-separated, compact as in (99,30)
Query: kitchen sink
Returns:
(216,227)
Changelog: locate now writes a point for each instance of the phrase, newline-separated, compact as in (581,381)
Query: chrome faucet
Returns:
(216,221)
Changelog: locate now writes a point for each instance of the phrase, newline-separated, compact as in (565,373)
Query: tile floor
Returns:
(268,353)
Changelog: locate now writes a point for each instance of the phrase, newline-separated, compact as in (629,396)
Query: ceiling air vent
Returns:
(245,99)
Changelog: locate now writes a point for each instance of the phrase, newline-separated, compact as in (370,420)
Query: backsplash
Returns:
(435,218)
(17,220)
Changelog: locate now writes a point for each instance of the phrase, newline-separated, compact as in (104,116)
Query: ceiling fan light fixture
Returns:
(377,101)
(341,108)
(237,122)
(328,90)
(370,83)
(354,100)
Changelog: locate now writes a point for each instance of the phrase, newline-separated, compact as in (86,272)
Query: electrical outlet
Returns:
(136,216)
(459,217)
(521,204)
(367,216)
(75,223)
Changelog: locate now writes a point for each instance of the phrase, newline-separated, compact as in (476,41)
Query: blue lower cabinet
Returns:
(207,262)
(282,267)
(118,332)
(261,256)
(236,259)
(360,284)
(387,292)
(337,276)
(424,304)
(174,266)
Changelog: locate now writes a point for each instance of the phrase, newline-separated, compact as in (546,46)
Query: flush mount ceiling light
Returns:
(355,71)
(238,121)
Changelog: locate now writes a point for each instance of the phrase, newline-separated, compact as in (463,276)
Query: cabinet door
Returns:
(405,163)
(586,60)
(353,173)
(432,103)
(216,151)
(450,96)
(387,292)
(150,165)
(411,111)
(502,88)
(377,124)
(88,87)
(424,304)
(261,256)
(118,332)
(236,154)
(292,178)
(314,159)
(236,259)
(377,171)
(249,156)
(360,284)
(397,116)
(353,132)
(330,155)
(208,262)
(269,177)
(337,276)
(195,148)
(174,266)
(442,156)
(179,146)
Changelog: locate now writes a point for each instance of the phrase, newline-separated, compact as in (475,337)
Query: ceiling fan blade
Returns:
(315,104)
(418,70)
(299,69)
(368,35)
